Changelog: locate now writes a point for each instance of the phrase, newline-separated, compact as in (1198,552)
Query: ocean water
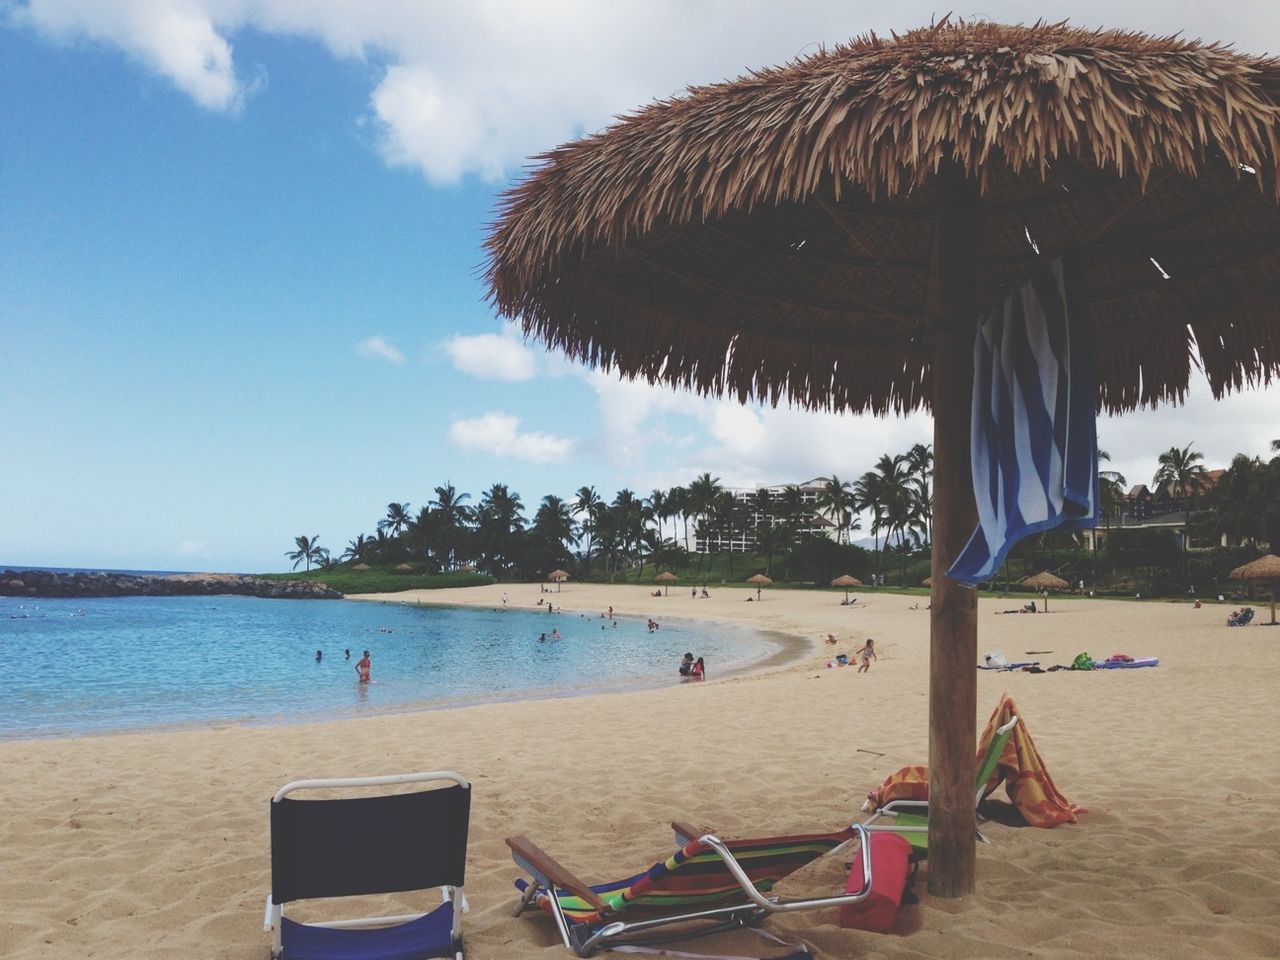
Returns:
(122,663)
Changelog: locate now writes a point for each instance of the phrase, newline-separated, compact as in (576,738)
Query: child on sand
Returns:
(866,655)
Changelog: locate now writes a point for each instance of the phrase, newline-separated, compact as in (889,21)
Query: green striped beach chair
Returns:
(707,885)
(910,818)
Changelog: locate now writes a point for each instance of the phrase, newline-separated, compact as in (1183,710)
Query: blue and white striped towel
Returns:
(1034,441)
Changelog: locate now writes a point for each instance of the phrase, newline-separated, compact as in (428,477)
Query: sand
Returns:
(155,845)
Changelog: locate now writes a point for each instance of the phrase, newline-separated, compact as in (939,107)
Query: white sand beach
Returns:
(155,845)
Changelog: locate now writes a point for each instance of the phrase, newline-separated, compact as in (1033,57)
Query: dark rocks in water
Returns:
(46,583)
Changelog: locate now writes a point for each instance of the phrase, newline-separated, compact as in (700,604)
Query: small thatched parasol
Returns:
(828,233)
(760,580)
(927,582)
(1044,580)
(665,578)
(360,566)
(1266,567)
(404,568)
(846,581)
(558,577)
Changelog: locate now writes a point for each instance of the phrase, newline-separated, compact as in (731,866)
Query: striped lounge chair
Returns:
(708,884)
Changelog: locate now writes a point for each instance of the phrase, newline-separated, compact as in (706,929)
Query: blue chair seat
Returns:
(427,936)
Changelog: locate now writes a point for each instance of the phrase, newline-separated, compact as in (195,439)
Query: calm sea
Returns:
(92,665)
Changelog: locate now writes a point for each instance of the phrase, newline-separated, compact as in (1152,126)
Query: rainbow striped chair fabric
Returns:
(707,885)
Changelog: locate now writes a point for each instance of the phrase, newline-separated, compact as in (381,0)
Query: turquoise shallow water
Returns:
(93,665)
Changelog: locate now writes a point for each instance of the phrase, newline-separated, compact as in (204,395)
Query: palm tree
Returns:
(661,508)
(499,522)
(1182,473)
(356,548)
(587,501)
(890,487)
(308,549)
(836,500)
(397,518)
(1111,486)
(703,492)
(552,533)
(1275,446)
(919,461)
(868,495)
(678,506)
(451,516)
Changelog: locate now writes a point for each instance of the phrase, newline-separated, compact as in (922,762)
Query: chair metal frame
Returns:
(274,912)
(584,940)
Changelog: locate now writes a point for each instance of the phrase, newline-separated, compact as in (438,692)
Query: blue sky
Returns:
(240,253)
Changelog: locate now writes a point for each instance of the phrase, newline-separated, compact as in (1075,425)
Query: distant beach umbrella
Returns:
(665,578)
(360,566)
(558,577)
(927,582)
(1264,568)
(404,568)
(828,233)
(846,581)
(760,580)
(1045,581)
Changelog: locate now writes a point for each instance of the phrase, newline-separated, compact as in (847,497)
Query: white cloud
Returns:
(193,548)
(476,88)
(491,356)
(380,347)
(175,38)
(499,434)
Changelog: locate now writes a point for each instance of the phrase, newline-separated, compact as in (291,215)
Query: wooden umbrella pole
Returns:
(953,624)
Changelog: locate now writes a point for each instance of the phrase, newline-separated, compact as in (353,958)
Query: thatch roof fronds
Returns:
(771,237)
(1266,567)
(1045,581)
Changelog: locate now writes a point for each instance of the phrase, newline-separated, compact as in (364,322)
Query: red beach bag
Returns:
(890,864)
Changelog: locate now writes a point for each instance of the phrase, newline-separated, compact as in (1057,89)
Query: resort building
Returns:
(742,538)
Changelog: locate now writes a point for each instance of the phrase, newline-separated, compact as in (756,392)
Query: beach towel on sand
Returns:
(1019,768)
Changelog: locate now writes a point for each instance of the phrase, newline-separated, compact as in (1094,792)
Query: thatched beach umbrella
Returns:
(846,581)
(361,566)
(665,578)
(1045,581)
(404,568)
(760,580)
(559,577)
(828,233)
(1266,567)
(927,582)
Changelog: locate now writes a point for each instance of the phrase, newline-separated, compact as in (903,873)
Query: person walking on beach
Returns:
(866,655)
(364,667)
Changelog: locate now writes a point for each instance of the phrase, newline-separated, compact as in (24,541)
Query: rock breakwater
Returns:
(46,583)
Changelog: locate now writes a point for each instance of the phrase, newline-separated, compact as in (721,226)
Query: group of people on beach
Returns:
(863,655)
(691,669)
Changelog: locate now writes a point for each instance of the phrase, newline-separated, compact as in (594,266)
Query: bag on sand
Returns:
(890,857)
(1082,662)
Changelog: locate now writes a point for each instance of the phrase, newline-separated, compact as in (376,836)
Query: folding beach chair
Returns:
(910,818)
(366,845)
(708,885)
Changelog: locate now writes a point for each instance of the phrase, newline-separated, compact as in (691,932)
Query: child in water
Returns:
(699,671)
(686,665)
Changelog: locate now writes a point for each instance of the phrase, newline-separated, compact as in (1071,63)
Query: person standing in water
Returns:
(319,655)
(364,667)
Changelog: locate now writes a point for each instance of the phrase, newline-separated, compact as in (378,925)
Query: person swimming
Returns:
(319,655)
